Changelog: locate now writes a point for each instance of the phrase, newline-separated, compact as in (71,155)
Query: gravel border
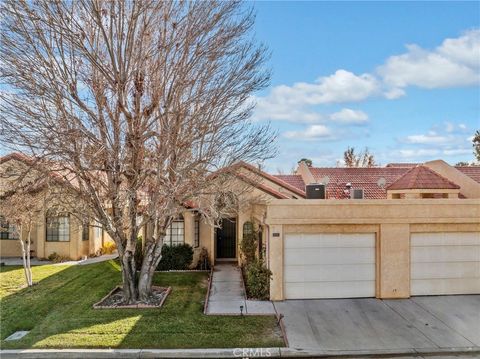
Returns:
(132,306)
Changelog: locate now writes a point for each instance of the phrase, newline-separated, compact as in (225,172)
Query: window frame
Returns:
(57,234)
(10,233)
(196,232)
(175,230)
(85,232)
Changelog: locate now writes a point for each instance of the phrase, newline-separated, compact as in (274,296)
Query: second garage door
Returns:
(329,265)
(445,263)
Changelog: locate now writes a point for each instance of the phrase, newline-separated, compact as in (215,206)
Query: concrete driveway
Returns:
(418,323)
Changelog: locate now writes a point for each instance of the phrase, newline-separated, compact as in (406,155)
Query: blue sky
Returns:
(401,78)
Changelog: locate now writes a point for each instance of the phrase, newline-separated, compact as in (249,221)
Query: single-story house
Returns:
(385,232)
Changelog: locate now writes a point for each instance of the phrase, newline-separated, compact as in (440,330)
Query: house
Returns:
(385,232)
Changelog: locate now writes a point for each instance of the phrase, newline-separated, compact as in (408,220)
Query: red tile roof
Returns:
(402,164)
(293,180)
(471,171)
(274,179)
(360,178)
(422,177)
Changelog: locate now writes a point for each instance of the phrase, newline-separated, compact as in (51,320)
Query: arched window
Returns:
(58,227)
(176,232)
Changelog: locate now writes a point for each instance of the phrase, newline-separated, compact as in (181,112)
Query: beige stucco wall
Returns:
(392,221)
(12,247)
(417,193)
(73,249)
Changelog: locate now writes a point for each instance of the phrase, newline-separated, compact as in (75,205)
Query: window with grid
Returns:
(58,228)
(85,232)
(196,238)
(7,230)
(175,233)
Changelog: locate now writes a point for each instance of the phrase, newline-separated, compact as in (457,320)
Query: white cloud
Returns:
(342,86)
(268,110)
(454,63)
(430,138)
(457,151)
(416,153)
(311,132)
(449,127)
(444,140)
(349,116)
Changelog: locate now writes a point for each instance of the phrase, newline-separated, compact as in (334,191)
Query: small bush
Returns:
(139,253)
(203,260)
(57,258)
(108,248)
(178,257)
(248,246)
(257,280)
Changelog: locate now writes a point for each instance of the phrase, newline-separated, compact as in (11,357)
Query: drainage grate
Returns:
(18,335)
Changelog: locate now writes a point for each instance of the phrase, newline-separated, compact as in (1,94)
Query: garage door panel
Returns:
(438,254)
(352,289)
(445,263)
(324,240)
(445,270)
(445,286)
(319,273)
(329,256)
(445,239)
(329,265)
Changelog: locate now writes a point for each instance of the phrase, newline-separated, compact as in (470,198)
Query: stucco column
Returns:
(41,228)
(393,254)
(189,227)
(275,253)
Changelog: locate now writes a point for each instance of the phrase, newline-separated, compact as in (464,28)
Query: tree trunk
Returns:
(130,285)
(24,259)
(152,255)
(28,267)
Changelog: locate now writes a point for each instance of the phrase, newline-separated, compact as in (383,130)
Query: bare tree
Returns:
(22,199)
(363,159)
(136,103)
(476,145)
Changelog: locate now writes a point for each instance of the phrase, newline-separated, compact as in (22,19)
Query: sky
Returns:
(401,78)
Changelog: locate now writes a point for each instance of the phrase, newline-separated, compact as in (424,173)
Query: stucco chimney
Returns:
(304,171)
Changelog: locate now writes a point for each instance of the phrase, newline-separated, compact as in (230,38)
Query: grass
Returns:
(58,311)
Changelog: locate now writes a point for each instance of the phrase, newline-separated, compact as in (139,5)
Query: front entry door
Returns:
(226,239)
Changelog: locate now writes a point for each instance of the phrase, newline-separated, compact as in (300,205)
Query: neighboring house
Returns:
(386,232)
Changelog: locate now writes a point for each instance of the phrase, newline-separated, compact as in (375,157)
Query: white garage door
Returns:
(329,265)
(445,263)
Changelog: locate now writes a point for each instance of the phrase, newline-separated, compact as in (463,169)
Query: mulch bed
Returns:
(115,299)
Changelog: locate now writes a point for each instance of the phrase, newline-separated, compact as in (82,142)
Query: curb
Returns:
(377,353)
(210,277)
(229,353)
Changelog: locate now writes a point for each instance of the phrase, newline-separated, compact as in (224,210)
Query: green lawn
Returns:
(59,313)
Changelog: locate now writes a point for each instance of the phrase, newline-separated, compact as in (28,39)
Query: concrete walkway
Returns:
(16,261)
(227,294)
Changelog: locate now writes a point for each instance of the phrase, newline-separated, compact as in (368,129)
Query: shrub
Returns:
(57,258)
(177,257)
(139,253)
(203,260)
(249,244)
(257,280)
(108,248)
